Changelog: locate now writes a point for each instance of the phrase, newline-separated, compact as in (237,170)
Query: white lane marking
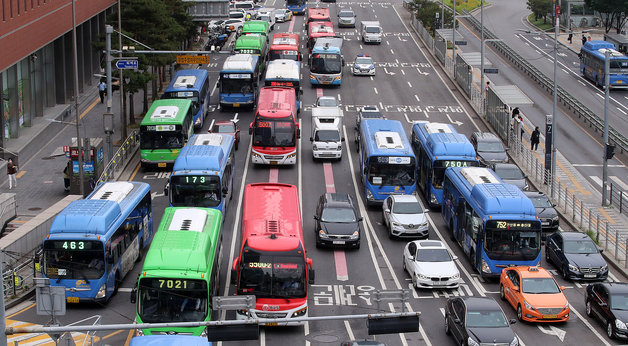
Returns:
(262,337)
(621,184)
(213,90)
(442,311)
(381,106)
(551,330)
(407,119)
(392,51)
(410,85)
(567,72)
(622,111)
(599,95)
(361,47)
(597,180)
(349,331)
(403,73)
(125,289)
(426,115)
(581,82)
(589,325)
(299,172)
(417,98)
(375,90)
(339,98)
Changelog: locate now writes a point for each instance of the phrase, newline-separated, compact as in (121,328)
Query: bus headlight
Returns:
(140,332)
(102,291)
(300,312)
(369,195)
(485,267)
(433,199)
(204,333)
(290,156)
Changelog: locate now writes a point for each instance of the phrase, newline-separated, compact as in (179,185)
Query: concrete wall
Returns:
(7,207)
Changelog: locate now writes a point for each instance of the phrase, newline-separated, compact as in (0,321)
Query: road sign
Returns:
(461,43)
(192,59)
(127,64)
(491,70)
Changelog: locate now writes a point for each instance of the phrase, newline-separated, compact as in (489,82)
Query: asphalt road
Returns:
(407,87)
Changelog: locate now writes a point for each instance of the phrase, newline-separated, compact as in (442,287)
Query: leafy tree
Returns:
(612,12)
(541,8)
(426,10)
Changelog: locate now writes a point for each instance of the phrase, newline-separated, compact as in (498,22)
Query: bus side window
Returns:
(475,225)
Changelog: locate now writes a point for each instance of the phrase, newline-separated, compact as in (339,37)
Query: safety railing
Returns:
(619,198)
(17,277)
(120,158)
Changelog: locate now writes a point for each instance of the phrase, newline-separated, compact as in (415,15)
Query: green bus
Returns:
(254,44)
(256,27)
(165,130)
(181,271)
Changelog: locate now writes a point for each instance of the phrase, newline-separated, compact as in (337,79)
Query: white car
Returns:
(268,15)
(404,216)
(363,66)
(283,15)
(430,265)
(233,25)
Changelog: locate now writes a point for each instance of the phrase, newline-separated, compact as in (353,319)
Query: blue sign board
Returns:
(127,64)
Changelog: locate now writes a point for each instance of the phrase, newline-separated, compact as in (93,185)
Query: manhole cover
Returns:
(34,209)
(325,338)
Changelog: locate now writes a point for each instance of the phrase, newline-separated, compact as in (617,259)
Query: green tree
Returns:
(426,10)
(612,12)
(541,8)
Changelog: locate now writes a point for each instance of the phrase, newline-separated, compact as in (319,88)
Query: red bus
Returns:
(272,264)
(318,29)
(318,14)
(284,45)
(275,128)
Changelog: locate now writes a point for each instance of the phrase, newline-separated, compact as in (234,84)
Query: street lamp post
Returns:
(555,101)
(76,110)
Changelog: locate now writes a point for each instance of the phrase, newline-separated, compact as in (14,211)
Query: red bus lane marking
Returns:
(319,92)
(273,176)
(292,21)
(342,274)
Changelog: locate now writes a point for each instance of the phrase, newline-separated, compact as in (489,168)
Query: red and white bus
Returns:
(284,45)
(272,264)
(275,129)
(317,14)
(319,29)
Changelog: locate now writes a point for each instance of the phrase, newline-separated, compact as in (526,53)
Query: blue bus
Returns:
(296,6)
(326,61)
(170,340)
(494,223)
(592,56)
(191,85)
(387,163)
(202,175)
(238,80)
(94,242)
(438,146)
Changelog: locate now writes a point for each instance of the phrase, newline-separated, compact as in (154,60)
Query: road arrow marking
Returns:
(453,122)
(390,73)
(551,330)
(421,72)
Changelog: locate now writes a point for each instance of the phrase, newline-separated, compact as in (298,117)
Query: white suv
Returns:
(404,216)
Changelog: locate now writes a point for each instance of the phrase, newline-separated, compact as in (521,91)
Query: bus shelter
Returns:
(499,102)
(468,72)
(441,42)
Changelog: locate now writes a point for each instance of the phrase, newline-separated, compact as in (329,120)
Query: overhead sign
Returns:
(127,64)
(192,59)
(491,70)
(461,43)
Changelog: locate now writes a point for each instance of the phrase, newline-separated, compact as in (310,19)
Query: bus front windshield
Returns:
(161,139)
(382,172)
(619,65)
(273,274)
(326,63)
(441,165)
(74,259)
(512,240)
(295,2)
(195,191)
(236,85)
(172,300)
(274,133)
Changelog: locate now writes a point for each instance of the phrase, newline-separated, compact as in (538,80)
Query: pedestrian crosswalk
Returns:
(614,179)
(32,339)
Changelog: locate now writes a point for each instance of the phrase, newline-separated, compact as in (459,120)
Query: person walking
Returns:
(515,112)
(11,171)
(584,39)
(66,178)
(570,38)
(534,139)
(102,86)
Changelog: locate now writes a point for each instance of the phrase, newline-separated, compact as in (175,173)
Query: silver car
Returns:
(346,19)
(511,174)
(404,216)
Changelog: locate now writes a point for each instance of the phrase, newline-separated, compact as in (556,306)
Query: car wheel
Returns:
(390,233)
(447,330)
(501,292)
(588,308)
(404,264)
(565,274)
(609,330)
(519,313)
(414,282)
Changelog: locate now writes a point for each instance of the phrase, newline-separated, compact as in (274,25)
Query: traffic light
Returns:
(609,151)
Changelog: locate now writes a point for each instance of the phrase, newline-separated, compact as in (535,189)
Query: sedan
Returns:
(327,101)
(283,15)
(576,256)
(608,302)
(545,211)
(404,216)
(478,321)
(430,265)
(337,221)
(346,19)
(363,66)
(229,127)
(511,174)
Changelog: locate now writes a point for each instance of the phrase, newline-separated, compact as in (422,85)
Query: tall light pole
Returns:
(76,108)
(453,38)
(555,103)
(607,61)
(482,108)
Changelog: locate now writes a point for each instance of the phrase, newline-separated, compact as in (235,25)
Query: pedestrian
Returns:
(102,86)
(589,39)
(515,112)
(570,38)
(11,171)
(66,178)
(534,139)
(521,127)
(584,39)
(488,85)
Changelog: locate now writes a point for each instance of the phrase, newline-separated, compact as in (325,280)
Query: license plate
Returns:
(274,162)
(550,316)
(236,105)
(544,223)
(161,164)
(72,299)
(589,276)
(339,242)
(271,324)
(325,82)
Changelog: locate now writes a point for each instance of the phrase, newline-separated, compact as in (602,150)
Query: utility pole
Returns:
(3,321)
(555,101)
(108,31)
(76,108)
(453,39)
(607,60)
(122,107)
(482,108)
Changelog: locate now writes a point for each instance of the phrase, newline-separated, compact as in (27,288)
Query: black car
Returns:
(609,303)
(576,256)
(489,148)
(337,221)
(479,320)
(545,211)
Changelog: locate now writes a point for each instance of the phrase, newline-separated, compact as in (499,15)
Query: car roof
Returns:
(532,272)
(342,200)
(404,198)
(224,122)
(326,98)
(534,194)
(615,287)
(369,109)
(481,303)
(430,244)
(485,136)
(505,166)
(575,236)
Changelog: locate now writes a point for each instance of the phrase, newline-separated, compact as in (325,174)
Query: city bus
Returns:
(181,271)
(94,242)
(272,264)
(202,175)
(494,223)
(592,56)
(317,30)
(191,85)
(275,129)
(165,129)
(253,44)
(387,163)
(326,61)
(256,27)
(284,45)
(285,73)
(169,340)
(438,146)
(317,14)
(296,6)
(237,82)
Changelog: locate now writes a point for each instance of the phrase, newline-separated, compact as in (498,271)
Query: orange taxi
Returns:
(534,293)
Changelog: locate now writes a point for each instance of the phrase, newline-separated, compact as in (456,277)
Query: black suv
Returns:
(480,320)
(337,221)
(489,148)
(609,303)
(576,256)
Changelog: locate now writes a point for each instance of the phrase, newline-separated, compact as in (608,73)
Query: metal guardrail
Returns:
(120,158)
(18,277)
(548,84)
(619,198)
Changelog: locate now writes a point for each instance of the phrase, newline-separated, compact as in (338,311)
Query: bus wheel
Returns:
(473,262)
(451,231)
(116,284)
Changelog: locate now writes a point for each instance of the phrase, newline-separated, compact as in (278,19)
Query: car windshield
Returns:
(364,61)
(345,14)
(226,128)
(338,215)
(580,246)
(486,319)
(327,136)
(490,147)
(433,255)
(327,102)
(619,301)
(539,286)
(372,115)
(509,172)
(541,202)
(407,208)
(372,30)
(236,15)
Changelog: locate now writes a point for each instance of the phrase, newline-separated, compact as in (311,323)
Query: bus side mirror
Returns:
(133,296)
(311,276)
(311,139)
(301,90)
(298,133)
(225,191)
(166,189)
(250,128)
